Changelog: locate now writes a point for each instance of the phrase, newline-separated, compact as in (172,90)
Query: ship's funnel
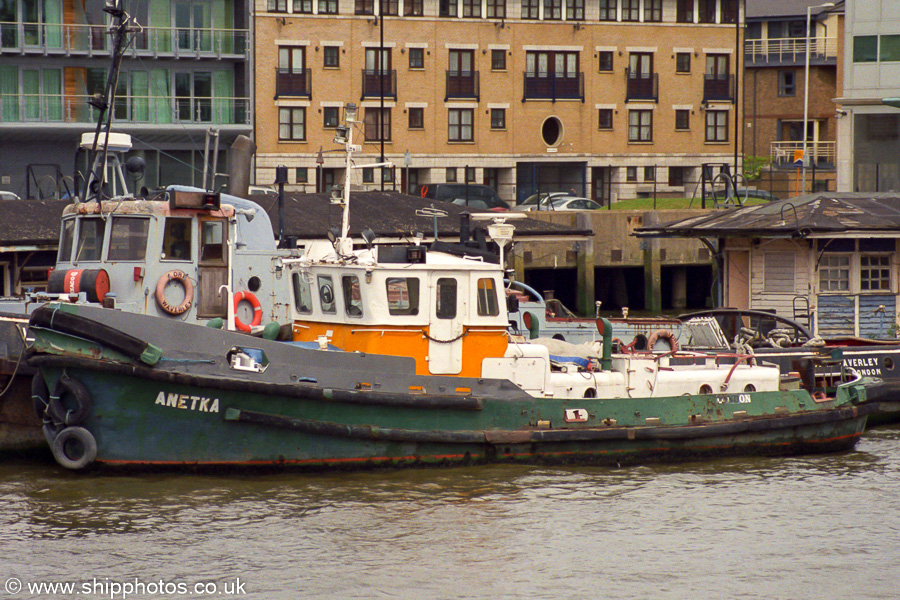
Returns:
(239,155)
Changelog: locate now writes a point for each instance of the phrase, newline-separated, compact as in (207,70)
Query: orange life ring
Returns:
(188,287)
(663,334)
(257,311)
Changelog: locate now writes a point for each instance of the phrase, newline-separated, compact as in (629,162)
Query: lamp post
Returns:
(806,89)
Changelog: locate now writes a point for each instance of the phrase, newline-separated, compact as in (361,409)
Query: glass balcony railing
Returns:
(157,110)
(777,50)
(89,40)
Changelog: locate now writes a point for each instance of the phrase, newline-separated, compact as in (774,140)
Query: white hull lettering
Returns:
(186,402)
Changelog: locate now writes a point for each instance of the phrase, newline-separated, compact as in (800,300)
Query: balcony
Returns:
(718,88)
(462,85)
(790,51)
(820,153)
(641,86)
(69,39)
(57,108)
(289,82)
(554,87)
(374,81)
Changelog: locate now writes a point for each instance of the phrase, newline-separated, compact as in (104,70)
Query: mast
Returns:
(125,25)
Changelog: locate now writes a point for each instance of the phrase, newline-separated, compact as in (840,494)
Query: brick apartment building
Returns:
(608,97)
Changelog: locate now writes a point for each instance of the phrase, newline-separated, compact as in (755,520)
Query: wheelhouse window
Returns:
(302,293)
(834,273)
(212,242)
(488,305)
(352,295)
(90,239)
(403,295)
(128,238)
(66,239)
(874,273)
(326,294)
(446,298)
(177,239)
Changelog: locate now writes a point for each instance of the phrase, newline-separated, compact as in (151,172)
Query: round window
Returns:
(552,131)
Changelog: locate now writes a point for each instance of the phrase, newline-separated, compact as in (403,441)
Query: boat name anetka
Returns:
(185,402)
(865,366)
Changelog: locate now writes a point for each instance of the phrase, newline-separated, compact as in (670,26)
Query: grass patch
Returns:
(670,203)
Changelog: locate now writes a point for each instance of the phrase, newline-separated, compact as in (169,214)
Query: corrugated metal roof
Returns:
(810,215)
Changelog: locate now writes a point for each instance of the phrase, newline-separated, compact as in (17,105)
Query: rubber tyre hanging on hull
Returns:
(74,448)
(76,390)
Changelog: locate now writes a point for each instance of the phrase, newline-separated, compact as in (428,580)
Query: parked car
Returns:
(573,203)
(8,196)
(479,196)
(531,202)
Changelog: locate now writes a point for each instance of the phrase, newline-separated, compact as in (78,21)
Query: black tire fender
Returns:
(73,387)
(74,448)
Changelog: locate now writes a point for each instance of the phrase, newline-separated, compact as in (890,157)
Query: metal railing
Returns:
(782,153)
(641,86)
(69,39)
(718,87)
(790,49)
(554,87)
(374,80)
(58,108)
(462,84)
(293,83)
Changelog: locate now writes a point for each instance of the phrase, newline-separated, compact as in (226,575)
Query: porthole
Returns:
(254,284)
(552,131)
(749,388)
(888,363)
(706,389)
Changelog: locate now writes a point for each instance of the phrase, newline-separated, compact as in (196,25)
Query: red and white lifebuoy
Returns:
(257,311)
(188,287)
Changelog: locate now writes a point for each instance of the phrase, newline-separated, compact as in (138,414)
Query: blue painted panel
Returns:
(877,325)
(835,315)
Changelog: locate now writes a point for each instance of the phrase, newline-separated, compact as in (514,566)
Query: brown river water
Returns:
(816,527)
